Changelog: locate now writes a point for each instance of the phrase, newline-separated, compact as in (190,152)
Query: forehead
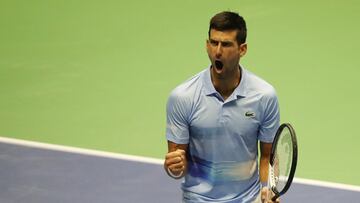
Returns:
(229,35)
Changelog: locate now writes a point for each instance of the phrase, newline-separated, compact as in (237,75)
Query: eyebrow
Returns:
(225,41)
(214,40)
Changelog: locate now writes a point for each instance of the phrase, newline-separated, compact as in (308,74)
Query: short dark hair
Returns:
(228,20)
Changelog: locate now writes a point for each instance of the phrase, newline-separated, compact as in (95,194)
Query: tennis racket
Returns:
(283,161)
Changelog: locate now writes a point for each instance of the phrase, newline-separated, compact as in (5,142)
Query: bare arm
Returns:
(175,159)
(265,150)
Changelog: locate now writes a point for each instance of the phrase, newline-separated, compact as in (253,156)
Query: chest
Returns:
(240,117)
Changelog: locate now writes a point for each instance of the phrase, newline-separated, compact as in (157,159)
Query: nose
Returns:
(218,52)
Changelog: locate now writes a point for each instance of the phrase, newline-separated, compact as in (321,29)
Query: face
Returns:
(224,52)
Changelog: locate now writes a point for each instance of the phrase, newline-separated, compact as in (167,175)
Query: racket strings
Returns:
(283,159)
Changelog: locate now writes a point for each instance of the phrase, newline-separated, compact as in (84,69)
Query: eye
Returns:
(226,44)
(214,42)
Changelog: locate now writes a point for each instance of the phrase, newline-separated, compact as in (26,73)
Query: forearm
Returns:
(265,149)
(264,169)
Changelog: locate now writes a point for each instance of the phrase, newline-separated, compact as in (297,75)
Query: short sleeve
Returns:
(177,128)
(271,117)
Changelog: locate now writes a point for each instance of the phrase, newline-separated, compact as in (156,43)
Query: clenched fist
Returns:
(176,163)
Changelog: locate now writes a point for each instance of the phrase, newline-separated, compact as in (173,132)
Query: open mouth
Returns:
(218,65)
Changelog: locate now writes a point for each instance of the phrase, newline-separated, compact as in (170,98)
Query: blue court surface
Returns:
(41,173)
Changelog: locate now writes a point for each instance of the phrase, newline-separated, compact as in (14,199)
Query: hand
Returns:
(266,195)
(176,162)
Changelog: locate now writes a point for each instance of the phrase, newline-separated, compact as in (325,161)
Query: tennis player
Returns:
(216,119)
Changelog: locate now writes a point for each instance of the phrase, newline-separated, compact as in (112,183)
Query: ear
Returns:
(243,49)
(207,44)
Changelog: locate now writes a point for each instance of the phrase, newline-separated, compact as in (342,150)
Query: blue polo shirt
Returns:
(222,135)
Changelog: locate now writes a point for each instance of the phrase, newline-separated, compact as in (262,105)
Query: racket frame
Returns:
(271,180)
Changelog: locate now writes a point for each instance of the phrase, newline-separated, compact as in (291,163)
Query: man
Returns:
(216,119)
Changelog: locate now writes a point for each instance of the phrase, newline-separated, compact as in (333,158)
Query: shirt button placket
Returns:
(222,116)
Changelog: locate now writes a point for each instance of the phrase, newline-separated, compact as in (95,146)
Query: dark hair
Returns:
(226,21)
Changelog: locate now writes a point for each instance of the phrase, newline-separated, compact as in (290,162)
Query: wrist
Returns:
(171,174)
(264,184)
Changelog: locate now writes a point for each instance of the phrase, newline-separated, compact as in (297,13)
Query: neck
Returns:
(226,85)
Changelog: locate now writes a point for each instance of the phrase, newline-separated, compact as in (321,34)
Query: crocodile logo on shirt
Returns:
(250,114)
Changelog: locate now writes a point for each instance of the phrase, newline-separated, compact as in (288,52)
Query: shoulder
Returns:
(181,99)
(188,89)
(257,85)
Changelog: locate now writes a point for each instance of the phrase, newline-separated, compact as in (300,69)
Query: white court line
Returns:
(151,160)
(327,184)
(80,150)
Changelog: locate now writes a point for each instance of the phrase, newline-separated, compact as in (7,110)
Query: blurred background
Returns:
(97,74)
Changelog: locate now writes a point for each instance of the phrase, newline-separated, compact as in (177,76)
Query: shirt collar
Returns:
(240,90)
